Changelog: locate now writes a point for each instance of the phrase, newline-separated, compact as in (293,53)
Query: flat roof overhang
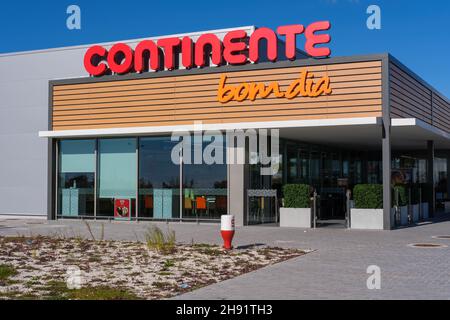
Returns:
(366,133)
(406,134)
(412,133)
(286,127)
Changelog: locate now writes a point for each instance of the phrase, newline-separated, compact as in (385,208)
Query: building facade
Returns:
(106,141)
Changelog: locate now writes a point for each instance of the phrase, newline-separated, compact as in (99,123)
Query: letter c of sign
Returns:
(95,68)
(120,58)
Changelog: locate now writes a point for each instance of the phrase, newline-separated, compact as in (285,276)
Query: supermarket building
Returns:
(80,132)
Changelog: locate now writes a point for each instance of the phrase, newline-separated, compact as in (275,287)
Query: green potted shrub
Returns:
(368,207)
(296,211)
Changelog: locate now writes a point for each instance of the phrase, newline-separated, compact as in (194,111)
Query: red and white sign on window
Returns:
(122,209)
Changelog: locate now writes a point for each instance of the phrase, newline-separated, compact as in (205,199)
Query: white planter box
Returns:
(369,219)
(415,212)
(295,217)
(425,213)
(404,215)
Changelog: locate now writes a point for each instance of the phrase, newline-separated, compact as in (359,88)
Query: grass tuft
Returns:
(6,271)
(160,241)
(57,290)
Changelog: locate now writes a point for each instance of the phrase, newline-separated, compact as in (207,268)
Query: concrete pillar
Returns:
(386,161)
(51,179)
(386,143)
(447,155)
(430,177)
(237,185)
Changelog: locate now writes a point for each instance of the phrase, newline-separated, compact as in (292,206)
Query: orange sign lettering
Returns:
(305,85)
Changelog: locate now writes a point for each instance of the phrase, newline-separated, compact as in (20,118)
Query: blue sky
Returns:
(416,32)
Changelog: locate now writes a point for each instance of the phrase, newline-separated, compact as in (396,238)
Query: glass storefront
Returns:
(96,173)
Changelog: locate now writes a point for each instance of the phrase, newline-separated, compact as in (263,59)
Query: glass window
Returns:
(159,179)
(315,172)
(76,178)
(277,178)
(358,175)
(304,166)
(345,168)
(292,162)
(205,186)
(117,178)
(440,179)
(422,170)
(374,172)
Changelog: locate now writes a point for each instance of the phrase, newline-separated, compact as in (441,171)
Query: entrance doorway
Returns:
(330,171)
(262,206)
(332,189)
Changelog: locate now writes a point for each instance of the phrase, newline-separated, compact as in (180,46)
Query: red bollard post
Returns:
(227,230)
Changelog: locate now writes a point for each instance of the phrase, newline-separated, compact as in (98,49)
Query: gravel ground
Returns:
(43,267)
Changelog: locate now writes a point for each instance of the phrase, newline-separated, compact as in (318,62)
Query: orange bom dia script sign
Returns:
(305,85)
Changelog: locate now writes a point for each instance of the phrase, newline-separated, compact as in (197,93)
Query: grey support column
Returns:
(237,182)
(51,179)
(51,161)
(386,145)
(430,177)
(447,154)
(386,155)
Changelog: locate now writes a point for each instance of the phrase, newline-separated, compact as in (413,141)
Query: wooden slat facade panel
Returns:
(441,113)
(184,99)
(409,98)
(201,96)
(339,87)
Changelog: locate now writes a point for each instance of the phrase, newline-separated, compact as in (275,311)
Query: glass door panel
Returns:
(262,210)
(117,178)
(159,179)
(205,185)
(76,178)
